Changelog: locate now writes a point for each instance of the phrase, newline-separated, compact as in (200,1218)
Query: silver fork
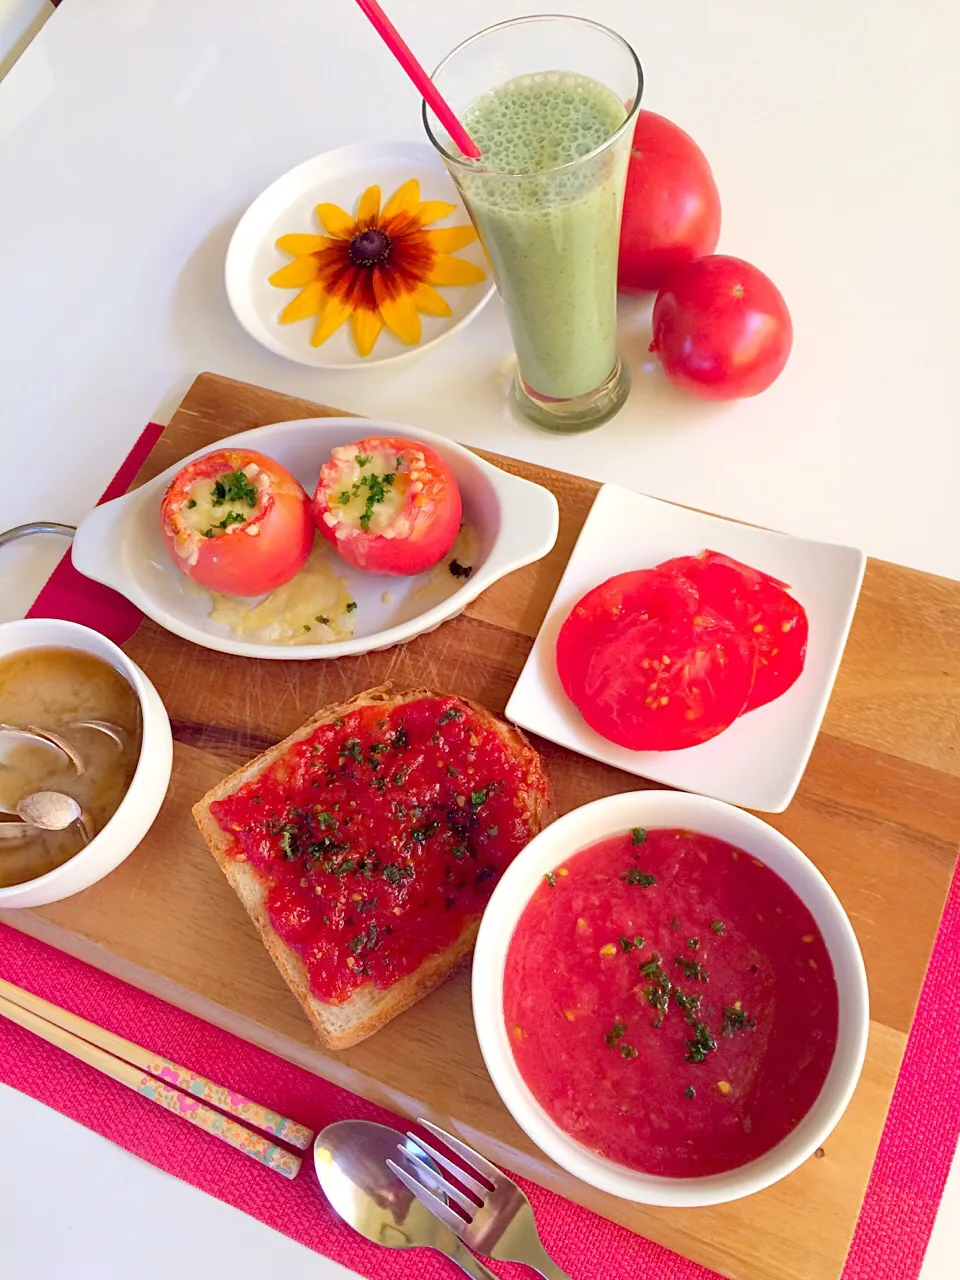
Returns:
(501,1227)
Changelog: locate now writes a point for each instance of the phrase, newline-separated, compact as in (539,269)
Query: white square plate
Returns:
(758,762)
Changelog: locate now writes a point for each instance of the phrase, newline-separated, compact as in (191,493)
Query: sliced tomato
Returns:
(761,609)
(389,505)
(237,522)
(649,667)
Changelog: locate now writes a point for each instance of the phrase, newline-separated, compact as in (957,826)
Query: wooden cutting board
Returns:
(878,811)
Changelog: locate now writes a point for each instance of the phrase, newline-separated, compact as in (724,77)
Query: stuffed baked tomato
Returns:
(388,505)
(237,522)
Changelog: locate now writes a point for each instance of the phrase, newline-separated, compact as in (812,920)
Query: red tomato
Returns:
(721,329)
(237,522)
(671,211)
(388,505)
(648,667)
(761,610)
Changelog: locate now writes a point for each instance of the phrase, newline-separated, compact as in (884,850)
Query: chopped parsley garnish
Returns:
(289,842)
(477,798)
(735,1020)
(692,969)
(351,605)
(377,747)
(717,927)
(326,819)
(234,486)
(400,739)
(368,940)
(458,851)
(633,875)
(460,570)
(324,622)
(344,497)
(628,944)
(615,1035)
(451,713)
(551,879)
(693,944)
(351,747)
(399,777)
(637,835)
(232,517)
(393,873)
(306,626)
(658,993)
(627,1051)
(452,772)
(191,503)
(368,904)
(420,835)
(690,1091)
(363,459)
(702,1042)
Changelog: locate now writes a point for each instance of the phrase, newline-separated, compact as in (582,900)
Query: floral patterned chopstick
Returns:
(111,1052)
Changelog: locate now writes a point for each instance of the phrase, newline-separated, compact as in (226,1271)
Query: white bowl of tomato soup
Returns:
(68,663)
(670,999)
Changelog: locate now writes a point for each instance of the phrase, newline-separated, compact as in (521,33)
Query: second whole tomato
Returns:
(721,329)
(671,209)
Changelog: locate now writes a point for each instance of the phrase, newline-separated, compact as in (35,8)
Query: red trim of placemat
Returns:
(905,1189)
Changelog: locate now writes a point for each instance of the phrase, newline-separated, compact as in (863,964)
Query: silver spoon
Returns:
(54,811)
(350,1158)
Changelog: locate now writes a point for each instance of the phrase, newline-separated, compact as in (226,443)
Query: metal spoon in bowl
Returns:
(350,1158)
(54,811)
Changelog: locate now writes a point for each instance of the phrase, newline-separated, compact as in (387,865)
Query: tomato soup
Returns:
(670,1002)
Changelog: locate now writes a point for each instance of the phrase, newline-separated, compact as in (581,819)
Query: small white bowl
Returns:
(138,808)
(288,205)
(586,826)
(120,544)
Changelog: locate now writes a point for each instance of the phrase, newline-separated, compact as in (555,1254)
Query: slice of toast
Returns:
(368,1008)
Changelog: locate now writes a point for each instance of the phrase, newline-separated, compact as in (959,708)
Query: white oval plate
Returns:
(288,205)
(120,543)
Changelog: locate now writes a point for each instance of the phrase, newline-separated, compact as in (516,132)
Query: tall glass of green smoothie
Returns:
(551,102)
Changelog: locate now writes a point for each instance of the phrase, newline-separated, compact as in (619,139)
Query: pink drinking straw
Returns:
(398,47)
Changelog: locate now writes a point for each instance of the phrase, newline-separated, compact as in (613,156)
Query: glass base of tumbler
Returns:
(579,413)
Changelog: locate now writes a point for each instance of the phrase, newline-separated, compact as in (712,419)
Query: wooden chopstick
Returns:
(235,1104)
(185,1105)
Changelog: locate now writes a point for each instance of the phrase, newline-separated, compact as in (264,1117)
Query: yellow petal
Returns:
(298,245)
(399,313)
(433,211)
(308,302)
(331,318)
(450,270)
(296,274)
(449,239)
(369,207)
(366,329)
(404,200)
(337,221)
(430,302)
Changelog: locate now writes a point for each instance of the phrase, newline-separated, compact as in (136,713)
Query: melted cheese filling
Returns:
(310,609)
(371,492)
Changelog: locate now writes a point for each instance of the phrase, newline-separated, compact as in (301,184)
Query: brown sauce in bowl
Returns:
(54,689)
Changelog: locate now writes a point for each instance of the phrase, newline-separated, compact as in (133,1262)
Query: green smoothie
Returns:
(552,232)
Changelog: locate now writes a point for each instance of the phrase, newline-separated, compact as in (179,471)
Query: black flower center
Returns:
(370,248)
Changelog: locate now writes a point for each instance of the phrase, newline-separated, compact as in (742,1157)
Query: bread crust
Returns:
(368,1009)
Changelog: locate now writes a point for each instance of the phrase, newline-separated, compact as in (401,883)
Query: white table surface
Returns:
(133,133)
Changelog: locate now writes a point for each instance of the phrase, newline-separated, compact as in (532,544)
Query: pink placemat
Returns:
(898,1213)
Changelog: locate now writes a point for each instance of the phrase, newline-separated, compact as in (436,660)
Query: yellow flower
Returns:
(378,268)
